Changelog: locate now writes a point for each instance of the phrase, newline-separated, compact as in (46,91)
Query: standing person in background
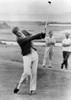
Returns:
(66,48)
(50,42)
(30,57)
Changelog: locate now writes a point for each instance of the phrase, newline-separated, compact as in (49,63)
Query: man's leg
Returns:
(66,59)
(33,77)
(26,72)
(50,57)
(64,55)
(45,56)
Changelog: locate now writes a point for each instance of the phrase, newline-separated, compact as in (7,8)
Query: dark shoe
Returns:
(49,66)
(16,89)
(32,92)
(61,66)
(66,67)
(43,66)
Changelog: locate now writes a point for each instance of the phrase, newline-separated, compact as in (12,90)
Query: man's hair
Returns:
(15,29)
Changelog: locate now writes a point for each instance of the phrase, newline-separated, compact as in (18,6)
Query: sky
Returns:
(35,10)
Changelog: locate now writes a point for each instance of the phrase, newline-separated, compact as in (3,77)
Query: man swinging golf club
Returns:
(30,57)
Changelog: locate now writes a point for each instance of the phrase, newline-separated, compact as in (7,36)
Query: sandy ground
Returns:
(52,83)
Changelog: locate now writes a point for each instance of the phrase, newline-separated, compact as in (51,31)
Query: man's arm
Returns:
(66,45)
(52,42)
(33,37)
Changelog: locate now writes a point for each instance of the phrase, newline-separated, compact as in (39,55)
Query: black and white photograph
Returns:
(35,49)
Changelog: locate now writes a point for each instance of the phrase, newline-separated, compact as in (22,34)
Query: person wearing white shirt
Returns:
(66,48)
(50,42)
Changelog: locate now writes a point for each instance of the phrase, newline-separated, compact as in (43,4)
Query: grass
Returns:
(51,83)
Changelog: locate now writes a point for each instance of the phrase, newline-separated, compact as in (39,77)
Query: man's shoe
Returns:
(16,90)
(32,92)
(43,66)
(61,66)
(66,67)
(49,66)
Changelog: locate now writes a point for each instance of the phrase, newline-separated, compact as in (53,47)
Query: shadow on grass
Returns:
(41,72)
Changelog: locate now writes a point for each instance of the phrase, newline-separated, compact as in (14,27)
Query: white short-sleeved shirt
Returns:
(49,40)
(66,41)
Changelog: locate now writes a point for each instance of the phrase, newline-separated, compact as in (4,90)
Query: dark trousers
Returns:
(65,58)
